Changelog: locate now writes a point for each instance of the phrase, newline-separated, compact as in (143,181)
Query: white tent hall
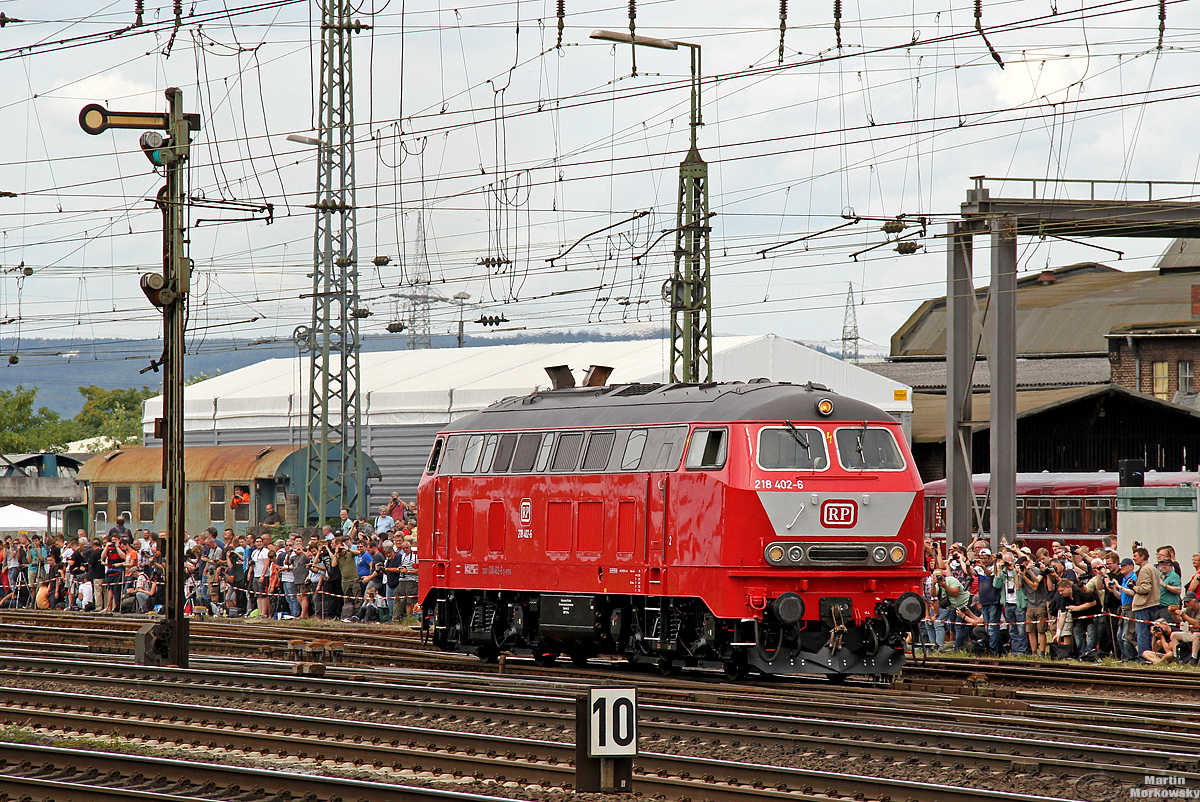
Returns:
(408,395)
(16,520)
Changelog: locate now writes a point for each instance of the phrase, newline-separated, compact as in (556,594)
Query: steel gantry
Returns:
(334,476)
(1003,220)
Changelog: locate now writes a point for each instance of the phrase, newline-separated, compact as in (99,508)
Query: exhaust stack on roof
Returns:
(597,376)
(561,377)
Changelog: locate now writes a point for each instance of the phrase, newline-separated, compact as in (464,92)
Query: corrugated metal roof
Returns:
(929,409)
(216,463)
(1047,373)
(1071,315)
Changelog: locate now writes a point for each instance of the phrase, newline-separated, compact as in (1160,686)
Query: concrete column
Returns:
(960,356)
(1002,361)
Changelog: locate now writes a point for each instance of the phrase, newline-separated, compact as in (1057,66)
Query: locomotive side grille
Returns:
(637,389)
(839,553)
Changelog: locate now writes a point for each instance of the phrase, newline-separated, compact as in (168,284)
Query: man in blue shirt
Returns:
(384,524)
(1126,641)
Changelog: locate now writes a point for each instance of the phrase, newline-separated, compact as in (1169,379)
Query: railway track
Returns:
(543,715)
(1075,674)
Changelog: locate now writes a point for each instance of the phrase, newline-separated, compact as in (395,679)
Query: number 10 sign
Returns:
(612,725)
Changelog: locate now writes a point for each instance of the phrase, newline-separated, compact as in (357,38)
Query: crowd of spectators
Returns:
(1062,602)
(355,570)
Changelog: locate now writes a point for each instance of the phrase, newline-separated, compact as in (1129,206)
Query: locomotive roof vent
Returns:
(597,376)
(561,377)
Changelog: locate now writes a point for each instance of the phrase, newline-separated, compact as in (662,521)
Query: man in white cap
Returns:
(989,597)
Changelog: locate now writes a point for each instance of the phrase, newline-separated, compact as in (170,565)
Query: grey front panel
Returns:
(798,513)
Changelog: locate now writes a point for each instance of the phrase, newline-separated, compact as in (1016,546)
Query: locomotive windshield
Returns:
(863,448)
(792,448)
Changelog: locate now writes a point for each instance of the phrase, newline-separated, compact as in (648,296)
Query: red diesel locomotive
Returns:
(764,526)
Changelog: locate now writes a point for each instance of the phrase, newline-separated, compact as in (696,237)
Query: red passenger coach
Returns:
(764,525)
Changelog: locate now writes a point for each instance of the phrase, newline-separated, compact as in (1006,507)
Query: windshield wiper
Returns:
(799,438)
(859,446)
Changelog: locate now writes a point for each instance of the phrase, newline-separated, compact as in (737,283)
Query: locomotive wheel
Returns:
(736,671)
(668,668)
(545,659)
(580,660)
(488,655)
(837,679)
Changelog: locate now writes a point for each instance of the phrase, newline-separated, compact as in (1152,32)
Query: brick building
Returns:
(1105,370)
(1158,359)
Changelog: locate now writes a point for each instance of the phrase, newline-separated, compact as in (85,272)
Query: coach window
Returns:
(634,447)
(566,456)
(1098,516)
(1020,515)
(707,450)
(1070,515)
(526,453)
(543,457)
(241,503)
(504,453)
(435,456)
(1038,515)
(100,506)
(216,503)
(146,503)
(599,448)
(125,503)
(863,448)
(789,449)
(471,458)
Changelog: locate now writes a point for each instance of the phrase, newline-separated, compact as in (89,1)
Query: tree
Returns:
(23,430)
(112,413)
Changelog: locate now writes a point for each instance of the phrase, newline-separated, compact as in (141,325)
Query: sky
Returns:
(484,148)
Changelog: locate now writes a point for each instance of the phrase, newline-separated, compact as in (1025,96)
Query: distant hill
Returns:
(58,368)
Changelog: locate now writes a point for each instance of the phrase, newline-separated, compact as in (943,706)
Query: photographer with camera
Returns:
(1122,587)
(1012,596)
(951,596)
(1036,598)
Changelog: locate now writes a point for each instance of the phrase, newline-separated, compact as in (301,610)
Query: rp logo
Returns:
(526,512)
(839,513)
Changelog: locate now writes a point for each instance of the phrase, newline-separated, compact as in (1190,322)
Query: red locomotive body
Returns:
(761,525)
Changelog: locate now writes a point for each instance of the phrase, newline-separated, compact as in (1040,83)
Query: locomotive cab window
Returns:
(789,449)
(707,449)
(435,455)
(865,448)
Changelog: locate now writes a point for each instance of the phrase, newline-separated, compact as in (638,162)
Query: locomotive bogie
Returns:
(614,522)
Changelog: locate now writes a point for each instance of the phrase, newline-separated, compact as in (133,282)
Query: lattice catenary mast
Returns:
(334,475)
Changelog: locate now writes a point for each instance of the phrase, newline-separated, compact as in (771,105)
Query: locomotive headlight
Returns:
(775,555)
(795,554)
(898,554)
(825,406)
(880,554)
